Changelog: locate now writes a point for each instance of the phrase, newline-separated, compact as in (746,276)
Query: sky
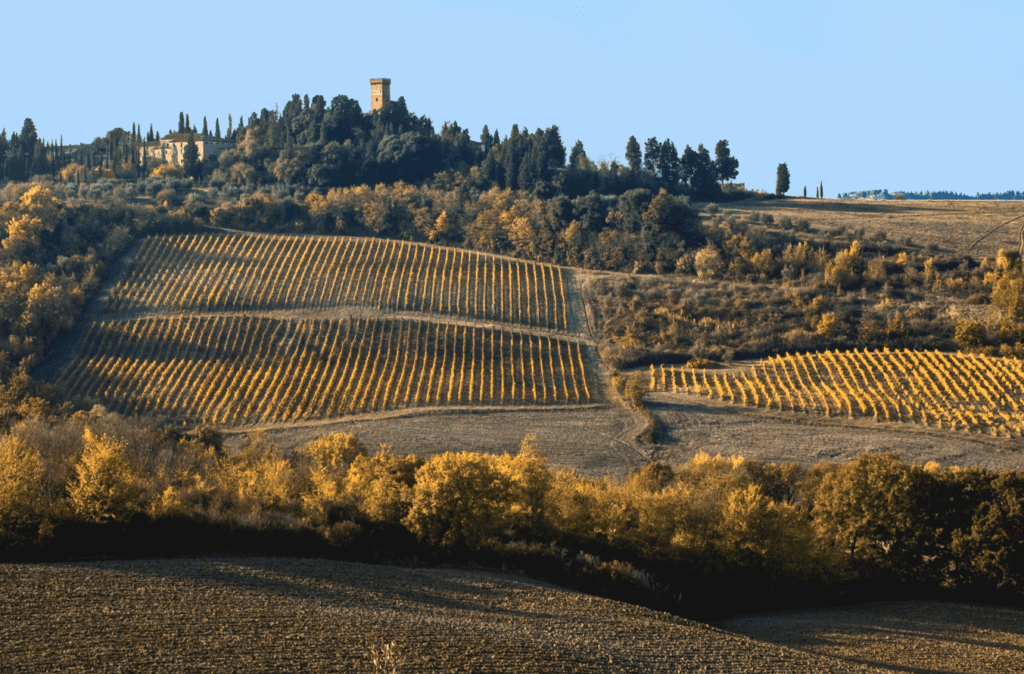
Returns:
(910,96)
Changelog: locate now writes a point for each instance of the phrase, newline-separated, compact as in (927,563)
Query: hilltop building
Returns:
(380,92)
(171,148)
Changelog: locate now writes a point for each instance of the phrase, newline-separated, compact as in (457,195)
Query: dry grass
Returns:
(950,226)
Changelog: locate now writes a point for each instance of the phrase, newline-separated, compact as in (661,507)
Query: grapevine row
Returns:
(969,392)
(238,272)
(236,370)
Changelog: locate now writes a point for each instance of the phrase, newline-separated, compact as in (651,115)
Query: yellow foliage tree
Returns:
(382,485)
(458,501)
(259,477)
(328,458)
(167,170)
(21,469)
(105,486)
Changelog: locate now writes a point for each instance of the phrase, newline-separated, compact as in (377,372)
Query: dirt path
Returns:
(250,615)
(695,423)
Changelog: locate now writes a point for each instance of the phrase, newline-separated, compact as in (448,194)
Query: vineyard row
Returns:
(953,391)
(216,272)
(235,370)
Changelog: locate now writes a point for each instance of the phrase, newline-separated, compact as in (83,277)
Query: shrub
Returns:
(105,487)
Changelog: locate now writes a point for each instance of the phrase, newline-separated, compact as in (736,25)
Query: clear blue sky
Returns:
(869,95)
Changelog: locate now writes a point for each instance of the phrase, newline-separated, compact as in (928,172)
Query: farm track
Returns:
(249,615)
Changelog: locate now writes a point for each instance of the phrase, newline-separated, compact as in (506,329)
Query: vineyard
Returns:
(245,272)
(953,391)
(242,369)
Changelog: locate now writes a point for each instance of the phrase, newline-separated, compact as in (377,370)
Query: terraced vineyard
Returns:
(236,370)
(246,272)
(953,391)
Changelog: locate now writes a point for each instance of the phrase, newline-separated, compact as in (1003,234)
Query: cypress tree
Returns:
(206,130)
(805,191)
(181,122)
(782,179)
(821,189)
(633,156)
(229,125)
(188,124)
(216,127)
(150,137)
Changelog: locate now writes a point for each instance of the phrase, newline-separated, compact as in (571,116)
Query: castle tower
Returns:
(380,92)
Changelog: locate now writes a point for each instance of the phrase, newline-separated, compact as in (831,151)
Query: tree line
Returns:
(313,145)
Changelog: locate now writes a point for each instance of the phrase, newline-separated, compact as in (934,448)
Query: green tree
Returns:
(206,129)
(652,153)
(181,122)
(216,127)
(782,179)
(633,156)
(726,166)
(190,157)
(821,189)
(485,140)
(882,513)
(188,124)
(805,191)
(578,156)
(668,165)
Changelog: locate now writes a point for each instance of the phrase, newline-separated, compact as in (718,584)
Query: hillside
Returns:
(269,614)
(239,329)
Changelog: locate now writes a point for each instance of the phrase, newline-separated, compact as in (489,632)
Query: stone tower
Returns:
(380,92)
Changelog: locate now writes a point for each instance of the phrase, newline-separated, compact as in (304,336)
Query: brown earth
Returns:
(907,636)
(292,615)
(694,423)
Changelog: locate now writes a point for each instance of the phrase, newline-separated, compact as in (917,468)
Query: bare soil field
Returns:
(292,615)
(907,636)
(950,226)
(597,440)
(694,424)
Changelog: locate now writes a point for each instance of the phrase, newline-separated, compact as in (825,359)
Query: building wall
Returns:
(380,92)
(173,152)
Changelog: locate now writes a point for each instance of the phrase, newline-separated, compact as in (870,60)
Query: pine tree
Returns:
(782,179)
(652,152)
(577,155)
(726,165)
(633,156)
(181,122)
(486,140)
(190,157)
